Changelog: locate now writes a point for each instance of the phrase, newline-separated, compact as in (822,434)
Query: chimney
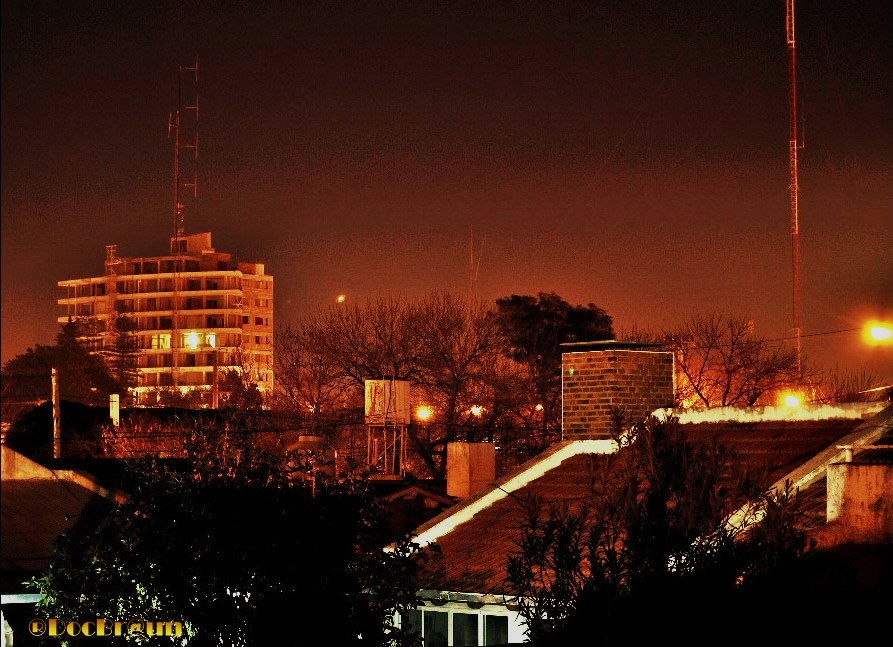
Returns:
(599,376)
(859,495)
(470,468)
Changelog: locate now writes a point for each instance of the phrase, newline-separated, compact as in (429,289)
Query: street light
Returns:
(790,399)
(424,412)
(878,333)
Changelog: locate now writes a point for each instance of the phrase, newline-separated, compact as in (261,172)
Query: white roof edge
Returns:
(464,596)
(865,434)
(20,598)
(848,410)
(23,468)
(817,467)
(464,512)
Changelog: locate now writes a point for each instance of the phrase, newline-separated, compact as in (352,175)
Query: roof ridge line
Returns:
(536,467)
(816,468)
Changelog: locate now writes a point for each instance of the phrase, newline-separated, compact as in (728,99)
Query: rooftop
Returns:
(475,537)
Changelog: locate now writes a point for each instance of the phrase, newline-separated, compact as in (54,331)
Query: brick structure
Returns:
(597,377)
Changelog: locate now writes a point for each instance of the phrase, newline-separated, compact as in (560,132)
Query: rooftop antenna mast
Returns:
(793,146)
(175,126)
(178,241)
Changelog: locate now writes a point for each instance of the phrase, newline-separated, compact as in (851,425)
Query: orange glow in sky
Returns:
(600,151)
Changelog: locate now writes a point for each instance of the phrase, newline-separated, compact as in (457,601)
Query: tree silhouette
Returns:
(81,376)
(238,553)
(650,542)
(533,329)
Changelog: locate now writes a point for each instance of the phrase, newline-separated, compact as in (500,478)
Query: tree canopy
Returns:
(484,370)
(82,377)
(650,542)
(238,553)
(533,329)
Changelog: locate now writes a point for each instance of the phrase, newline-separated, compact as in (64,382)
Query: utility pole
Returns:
(57,433)
(215,388)
(794,187)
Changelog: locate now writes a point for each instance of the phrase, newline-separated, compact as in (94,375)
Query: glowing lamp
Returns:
(878,333)
(341,298)
(423,412)
(477,410)
(790,399)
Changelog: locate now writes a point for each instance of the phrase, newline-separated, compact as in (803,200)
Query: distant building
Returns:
(198,312)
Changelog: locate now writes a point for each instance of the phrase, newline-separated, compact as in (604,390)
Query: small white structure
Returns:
(387,414)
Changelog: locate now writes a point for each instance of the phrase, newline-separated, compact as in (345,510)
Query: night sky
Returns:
(629,154)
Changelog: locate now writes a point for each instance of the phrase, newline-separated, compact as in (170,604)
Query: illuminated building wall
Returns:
(198,313)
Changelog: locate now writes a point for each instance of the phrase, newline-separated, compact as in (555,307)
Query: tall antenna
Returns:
(178,240)
(794,185)
(175,125)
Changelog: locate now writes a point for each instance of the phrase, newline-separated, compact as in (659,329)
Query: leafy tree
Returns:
(533,330)
(238,553)
(650,542)
(82,377)
(123,357)
(238,392)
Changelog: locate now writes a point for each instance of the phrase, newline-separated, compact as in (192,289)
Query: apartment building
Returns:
(198,313)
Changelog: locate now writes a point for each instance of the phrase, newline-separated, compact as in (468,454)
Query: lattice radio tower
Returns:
(793,146)
(187,82)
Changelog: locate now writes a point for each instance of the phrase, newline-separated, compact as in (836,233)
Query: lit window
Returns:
(161,341)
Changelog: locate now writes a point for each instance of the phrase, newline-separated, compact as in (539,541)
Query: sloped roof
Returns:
(36,505)
(474,538)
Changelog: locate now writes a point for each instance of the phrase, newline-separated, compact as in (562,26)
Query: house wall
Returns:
(860,497)
(439,624)
(599,378)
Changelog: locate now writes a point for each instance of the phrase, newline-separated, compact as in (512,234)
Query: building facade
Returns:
(196,313)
